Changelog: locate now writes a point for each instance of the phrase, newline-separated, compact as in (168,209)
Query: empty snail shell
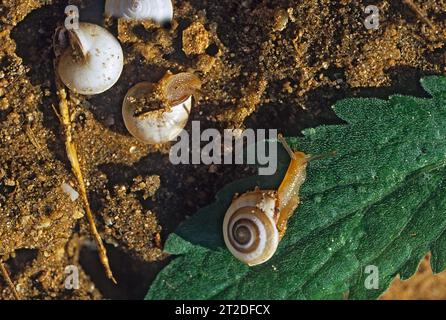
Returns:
(160,11)
(157,113)
(256,221)
(93,62)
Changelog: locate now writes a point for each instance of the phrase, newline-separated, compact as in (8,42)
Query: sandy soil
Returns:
(263,64)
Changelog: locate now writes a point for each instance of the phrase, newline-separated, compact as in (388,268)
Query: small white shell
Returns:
(155,127)
(93,63)
(249,227)
(160,11)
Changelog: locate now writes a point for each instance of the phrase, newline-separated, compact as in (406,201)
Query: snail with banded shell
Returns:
(156,113)
(257,220)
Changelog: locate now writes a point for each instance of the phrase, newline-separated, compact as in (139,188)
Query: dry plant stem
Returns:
(419,13)
(65,119)
(8,280)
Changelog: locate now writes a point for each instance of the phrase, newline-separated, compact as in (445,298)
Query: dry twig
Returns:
(419,13)
(64,117)
(8,280)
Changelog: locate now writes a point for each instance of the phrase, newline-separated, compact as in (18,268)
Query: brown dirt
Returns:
(422,286)
(258,69)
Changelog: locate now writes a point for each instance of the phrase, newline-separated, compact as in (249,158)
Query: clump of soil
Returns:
(263,64)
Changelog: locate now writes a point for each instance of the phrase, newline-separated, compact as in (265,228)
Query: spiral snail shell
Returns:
(93,60)
(160,11)
(256,221)
(250,230)
(156,113)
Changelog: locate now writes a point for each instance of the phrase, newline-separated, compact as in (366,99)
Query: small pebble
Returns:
(44,224)
(9,183)
(133,149)
(78,214)
(74,195)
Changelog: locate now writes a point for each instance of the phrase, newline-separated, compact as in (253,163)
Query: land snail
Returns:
(90,59)
(160,11)
(256,221)
(156,113)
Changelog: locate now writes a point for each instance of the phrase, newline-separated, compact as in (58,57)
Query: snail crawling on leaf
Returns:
(257,220)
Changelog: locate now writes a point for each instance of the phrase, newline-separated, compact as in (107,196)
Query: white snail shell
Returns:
(160,11)
(94,61)
(161,125)
(249,227)
(154,127)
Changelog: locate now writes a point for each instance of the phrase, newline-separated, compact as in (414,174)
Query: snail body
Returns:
(157,113)
(256,221)
(160,11)
(93,62)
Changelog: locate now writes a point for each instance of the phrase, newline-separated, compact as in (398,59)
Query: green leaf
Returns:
(380,202)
